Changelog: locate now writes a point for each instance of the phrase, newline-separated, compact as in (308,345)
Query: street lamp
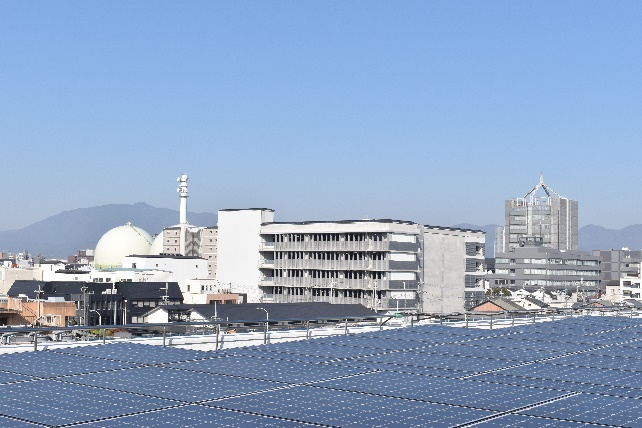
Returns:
(84,289)
(332,284)
(39,292)
(100,318)
(267,320)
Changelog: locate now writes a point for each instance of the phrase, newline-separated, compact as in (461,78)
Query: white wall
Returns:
(402,238)
(132,275)
(49,270)
(159,316)
(239,238)
(403,257)
(182,268)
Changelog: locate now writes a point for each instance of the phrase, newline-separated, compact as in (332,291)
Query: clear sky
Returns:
(430,111)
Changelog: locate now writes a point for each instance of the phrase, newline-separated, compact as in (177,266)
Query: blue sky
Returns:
(431,111)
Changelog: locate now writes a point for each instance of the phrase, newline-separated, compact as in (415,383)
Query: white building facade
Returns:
(239,240)
(371,262)
(382,264)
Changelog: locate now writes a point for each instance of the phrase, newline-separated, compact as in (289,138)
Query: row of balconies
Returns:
(325,264)
(367,301)
(342,283)
(326,246)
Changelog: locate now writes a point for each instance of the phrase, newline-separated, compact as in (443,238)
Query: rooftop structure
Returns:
(617,264)
(534,267)
(119,242)
(551,218)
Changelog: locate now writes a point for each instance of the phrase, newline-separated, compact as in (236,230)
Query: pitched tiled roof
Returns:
(507,305)
(536,301)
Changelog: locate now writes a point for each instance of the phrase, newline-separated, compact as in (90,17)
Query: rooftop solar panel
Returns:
(343,408)
(47,364)
(180,385)
(16,423)
(520,421)
(613,411)
(564,373)
(55,403)
(268,369)
(195,416)
(136,353)
(441,390)
(13,377)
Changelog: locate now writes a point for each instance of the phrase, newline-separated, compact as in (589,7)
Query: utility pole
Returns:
(84,289)
(39,292)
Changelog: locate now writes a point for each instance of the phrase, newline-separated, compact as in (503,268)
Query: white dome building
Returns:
(119,242)
(157,245)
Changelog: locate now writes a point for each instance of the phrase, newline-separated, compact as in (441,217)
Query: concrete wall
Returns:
(239,239)
(9,275)
(444,271)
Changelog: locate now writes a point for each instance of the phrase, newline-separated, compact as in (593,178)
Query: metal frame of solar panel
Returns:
(571,372)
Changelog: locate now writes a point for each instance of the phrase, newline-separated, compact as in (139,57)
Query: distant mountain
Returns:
(592,237)
(66,233)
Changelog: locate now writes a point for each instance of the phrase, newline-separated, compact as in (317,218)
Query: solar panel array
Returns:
(568,373)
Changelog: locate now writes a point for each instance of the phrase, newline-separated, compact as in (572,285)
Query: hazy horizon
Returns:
(435,112)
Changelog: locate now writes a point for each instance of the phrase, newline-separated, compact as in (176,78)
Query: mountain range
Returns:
(64,234)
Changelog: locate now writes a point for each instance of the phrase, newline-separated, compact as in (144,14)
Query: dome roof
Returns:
(157,245)
(120,242)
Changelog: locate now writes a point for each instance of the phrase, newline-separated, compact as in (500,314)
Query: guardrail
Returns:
(214,329)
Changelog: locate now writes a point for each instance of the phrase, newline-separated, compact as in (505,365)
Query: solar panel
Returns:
(269,369)
(47,364)
(136,353)
(444,390)
(55,403)
(615,411)
(6,377)
(180,385)
(563,373)
(194,416)
(520,421)
(343,408)
(15,423)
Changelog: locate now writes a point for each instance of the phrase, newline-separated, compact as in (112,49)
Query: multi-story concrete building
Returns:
(382,264)
(627,287)
(192,241)
(618,263)
(551,218)
(450,254)
(239,241)
(209,244)
(372,262)
(533,267)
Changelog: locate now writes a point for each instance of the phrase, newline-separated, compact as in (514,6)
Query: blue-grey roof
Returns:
(535,301)
(129,290)
(54,288)
(149,290)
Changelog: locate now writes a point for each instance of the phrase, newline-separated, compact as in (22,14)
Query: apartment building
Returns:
(371,262)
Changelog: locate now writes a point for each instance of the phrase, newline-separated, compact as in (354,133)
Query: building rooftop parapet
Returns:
(386,221)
